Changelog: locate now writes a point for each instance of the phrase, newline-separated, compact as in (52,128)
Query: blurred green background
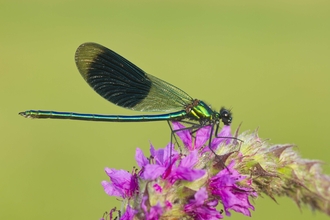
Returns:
(268,61)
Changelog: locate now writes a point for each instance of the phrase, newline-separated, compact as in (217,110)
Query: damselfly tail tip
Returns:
(23,114)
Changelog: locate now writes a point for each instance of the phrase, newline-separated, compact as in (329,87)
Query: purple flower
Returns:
(185,170)
(190,185)
(167,177)
(232,196)
(122,183)
(160,163)
(200,208)
(202,137)
(165,165)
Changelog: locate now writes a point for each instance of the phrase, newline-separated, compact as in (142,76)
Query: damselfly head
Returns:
(225,116)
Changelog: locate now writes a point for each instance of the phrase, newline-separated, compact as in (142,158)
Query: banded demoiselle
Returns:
(124,84)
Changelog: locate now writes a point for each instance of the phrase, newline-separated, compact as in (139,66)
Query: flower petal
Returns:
(232,196)
(152,171)
(120,178)
(112,190)
(184,135)
(141,160)
(225,132)
(184,173)
(202,135)
(190,160)
(199,209)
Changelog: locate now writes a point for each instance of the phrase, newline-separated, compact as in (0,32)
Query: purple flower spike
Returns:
(200,209)
(191,184)
(232,196)
(122,183)
(202,136)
